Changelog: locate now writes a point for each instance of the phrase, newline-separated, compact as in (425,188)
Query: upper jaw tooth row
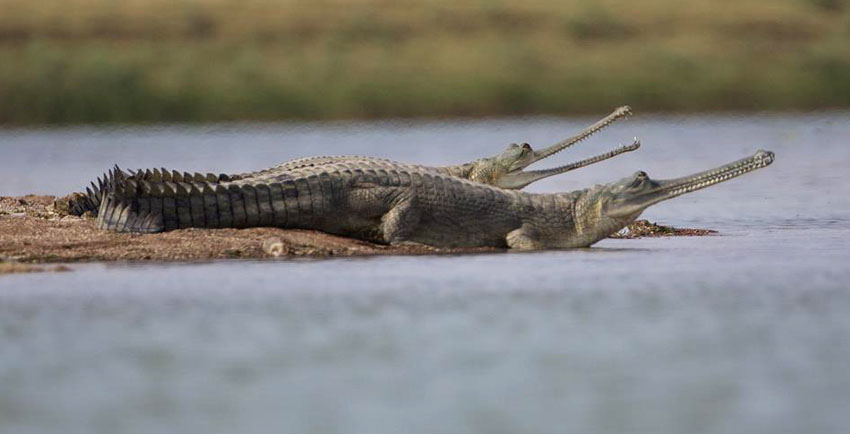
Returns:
(621,113)
(715,178)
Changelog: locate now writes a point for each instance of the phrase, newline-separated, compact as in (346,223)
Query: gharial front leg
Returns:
(524,238)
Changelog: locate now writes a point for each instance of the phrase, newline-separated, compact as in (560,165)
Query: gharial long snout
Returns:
(618,113)
(520,179)
(645,192)
(687,184)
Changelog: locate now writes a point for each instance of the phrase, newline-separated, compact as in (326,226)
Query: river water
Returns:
(745,331)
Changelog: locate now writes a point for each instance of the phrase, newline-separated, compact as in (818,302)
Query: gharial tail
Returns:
(90,200)
(156,202)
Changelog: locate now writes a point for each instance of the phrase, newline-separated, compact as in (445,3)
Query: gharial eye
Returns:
(526,146)
(639,178)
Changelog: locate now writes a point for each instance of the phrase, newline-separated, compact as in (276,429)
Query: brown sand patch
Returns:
(17,267)
(645,228)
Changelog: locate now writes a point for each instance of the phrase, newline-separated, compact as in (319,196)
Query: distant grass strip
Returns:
(84,61)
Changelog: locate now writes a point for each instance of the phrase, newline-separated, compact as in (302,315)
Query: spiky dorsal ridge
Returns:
(137,202)
(90,200)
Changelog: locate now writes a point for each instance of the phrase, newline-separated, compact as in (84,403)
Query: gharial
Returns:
(505,170)
(398,204)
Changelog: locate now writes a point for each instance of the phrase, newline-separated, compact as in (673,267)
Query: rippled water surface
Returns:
(745,331)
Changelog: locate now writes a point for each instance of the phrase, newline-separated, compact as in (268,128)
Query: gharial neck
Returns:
(459,170)
(592,223)
(567,220)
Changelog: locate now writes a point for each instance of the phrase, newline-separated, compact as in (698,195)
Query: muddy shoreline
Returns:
(34,231)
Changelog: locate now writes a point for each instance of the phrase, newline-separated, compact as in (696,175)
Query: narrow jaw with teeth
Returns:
(632,195)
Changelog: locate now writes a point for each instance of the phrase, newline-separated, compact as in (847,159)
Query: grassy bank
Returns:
(153,60)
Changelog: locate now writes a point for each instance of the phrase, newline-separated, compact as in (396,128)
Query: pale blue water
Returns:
(747,331)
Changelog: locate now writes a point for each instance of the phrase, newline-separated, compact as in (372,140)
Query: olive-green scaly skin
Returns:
(394,203)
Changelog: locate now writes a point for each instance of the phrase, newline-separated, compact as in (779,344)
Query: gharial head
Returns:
(620,202)
(505,170)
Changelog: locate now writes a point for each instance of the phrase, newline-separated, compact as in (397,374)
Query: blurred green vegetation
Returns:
(206,60)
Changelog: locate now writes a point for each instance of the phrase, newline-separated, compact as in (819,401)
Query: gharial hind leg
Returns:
(399,224)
